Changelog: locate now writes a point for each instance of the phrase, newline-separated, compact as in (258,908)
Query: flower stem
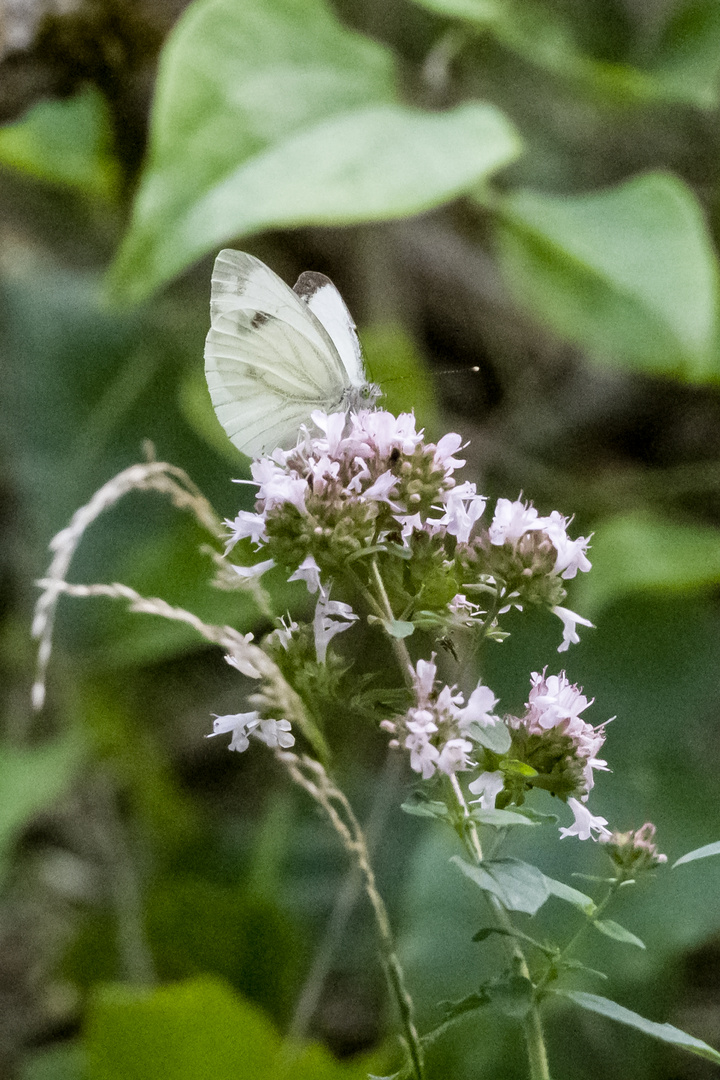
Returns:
(532,1027)
(311,776)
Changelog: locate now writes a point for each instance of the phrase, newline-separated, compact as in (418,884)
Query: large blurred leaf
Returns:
(30,780)
(641,552)
(629,274)
(373,164)
(64,142)
(272,114)
(196,1030)
(235,78)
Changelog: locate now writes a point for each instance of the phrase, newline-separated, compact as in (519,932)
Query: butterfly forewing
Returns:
(328,306)
(268,359)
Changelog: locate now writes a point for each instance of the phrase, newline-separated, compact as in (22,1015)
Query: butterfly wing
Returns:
(268,359)
(328,306)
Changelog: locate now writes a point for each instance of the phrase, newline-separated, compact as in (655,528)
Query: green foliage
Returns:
(195,1030)
(571,895)
(683,67)
(271,115)
(687,59)
(613,930)
(395,364)
(628,273)
(665,1032)
(645,552)
(31,779)
(65,142)
(517,885)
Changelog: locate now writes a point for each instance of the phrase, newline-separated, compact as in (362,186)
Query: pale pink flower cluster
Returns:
(435,729)
(512,520)
(556,703)
(353,447)
(356,452)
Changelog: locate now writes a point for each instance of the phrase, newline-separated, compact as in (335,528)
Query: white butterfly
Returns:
(274,354)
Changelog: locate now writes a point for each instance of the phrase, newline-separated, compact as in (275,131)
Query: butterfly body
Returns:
(275,354)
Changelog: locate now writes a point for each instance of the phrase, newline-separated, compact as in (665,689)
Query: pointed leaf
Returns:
(699,853)
(665,1032)
(517,885)
(426,808)
(629,274)
(614,930)
(573,896)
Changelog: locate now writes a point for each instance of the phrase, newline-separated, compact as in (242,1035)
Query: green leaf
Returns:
(194,1029)
(30,781)
(236,78)
(426,808)
(629,274)
(66,142)
(270,113)
(500,819)
(571,896)
(536,816)
(513,767)
(643,552)
(617,932)
(495,737)
(135,1034)
(570,964)
(665,1032)
(373,164)
(517,885)
(699,853)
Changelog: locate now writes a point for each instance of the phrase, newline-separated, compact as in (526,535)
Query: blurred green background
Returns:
(529,186)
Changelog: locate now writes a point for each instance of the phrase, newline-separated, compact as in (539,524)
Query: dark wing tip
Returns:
(309,283)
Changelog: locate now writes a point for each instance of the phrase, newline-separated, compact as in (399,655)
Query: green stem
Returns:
(537,1054)
(532,1027)
(550,974)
